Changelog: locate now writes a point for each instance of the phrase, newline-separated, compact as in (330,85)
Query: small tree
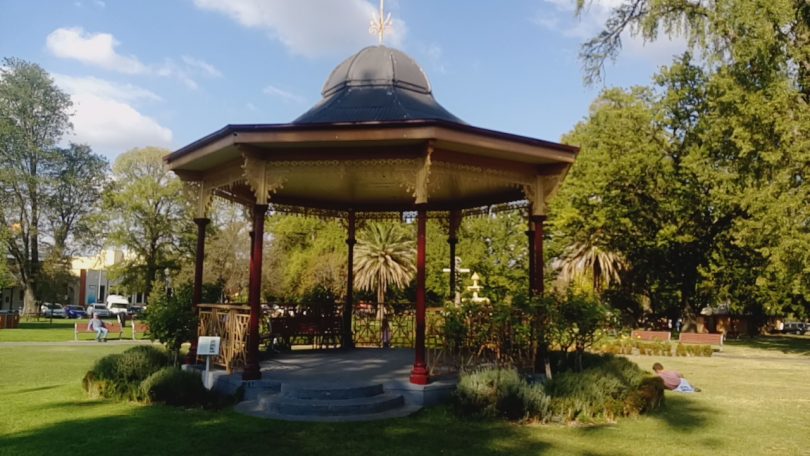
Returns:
(583,315)
(171,319)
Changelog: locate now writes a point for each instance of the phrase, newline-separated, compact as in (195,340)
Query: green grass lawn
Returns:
(755,400)
(60,330)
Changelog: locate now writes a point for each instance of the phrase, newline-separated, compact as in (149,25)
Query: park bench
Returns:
(319,331)
(80,327)
(713,339)
(640,334)
(139,328)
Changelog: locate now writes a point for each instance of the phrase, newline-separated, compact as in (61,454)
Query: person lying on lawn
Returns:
(673,380)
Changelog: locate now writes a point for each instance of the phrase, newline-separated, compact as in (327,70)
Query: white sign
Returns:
(208,346)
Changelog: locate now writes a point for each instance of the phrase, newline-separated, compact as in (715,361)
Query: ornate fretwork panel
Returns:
(200,193)
(261,179)
(542,189)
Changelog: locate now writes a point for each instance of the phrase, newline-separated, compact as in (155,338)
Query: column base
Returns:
(251,373)
(419,375)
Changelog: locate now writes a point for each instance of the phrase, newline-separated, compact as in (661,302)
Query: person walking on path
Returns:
(95,324)
(673,380)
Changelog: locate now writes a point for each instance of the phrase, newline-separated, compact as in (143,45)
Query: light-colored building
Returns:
(92,283)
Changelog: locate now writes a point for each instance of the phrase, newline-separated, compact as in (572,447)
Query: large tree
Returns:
(742,118)
(34,116)
(306,259)
(148,216)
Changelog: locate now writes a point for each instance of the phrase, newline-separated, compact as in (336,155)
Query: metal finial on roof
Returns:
(379,23)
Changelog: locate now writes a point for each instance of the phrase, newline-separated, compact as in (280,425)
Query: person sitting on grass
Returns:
(95,324)
(673,380)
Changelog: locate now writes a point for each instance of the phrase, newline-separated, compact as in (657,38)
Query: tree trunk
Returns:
(29,300)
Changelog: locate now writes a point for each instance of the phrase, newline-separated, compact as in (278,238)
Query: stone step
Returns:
(253,408)
(285,405)
(326,391)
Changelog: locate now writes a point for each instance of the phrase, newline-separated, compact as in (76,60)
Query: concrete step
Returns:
(326,391)
(254,408)
(332,407)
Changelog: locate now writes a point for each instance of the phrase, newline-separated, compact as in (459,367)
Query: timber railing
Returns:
(230,323)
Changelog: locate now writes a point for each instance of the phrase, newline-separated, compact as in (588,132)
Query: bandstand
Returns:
(376,146)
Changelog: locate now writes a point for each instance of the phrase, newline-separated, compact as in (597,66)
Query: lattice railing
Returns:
(230,323)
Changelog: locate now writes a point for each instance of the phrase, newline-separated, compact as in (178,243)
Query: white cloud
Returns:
(170,68)
(311,28)
(559,16)
(105,118)
(93,49)
(435,55)
(202,65)
(104,88)
(98,49)
(285,95)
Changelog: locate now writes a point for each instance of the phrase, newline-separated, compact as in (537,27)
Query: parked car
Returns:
(796,327)
(117,308)
(117,304)
(75,312)
(52,310)
(98,309)
(136,311)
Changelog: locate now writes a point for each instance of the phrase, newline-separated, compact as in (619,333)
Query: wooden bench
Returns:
(714,339)
(112,328)
(320,331)
(640,334)
(139,328)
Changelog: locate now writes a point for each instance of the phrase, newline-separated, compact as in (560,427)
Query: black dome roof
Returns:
(376,84)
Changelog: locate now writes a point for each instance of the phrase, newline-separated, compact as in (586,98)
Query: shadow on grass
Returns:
(785,344)
(164,430)
(681,413)
(39,388)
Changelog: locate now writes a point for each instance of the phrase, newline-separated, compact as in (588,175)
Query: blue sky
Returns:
(167,72)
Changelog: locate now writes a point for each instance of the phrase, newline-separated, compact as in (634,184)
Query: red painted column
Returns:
(348,306)
(419,373)
(196,294)
(252,371)
(538,286)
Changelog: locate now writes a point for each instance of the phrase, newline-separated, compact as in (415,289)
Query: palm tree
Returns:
(384,258)
(589,260)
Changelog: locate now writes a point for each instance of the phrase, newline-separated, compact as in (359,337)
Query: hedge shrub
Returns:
(608,387)
(500,393)
(118,376)
(173,386)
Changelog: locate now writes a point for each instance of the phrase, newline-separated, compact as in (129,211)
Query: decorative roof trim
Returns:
(233,129)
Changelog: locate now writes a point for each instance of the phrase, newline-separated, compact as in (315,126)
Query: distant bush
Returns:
(694,350)
(118,376)
(631,346)
(607,388)
(173,386)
